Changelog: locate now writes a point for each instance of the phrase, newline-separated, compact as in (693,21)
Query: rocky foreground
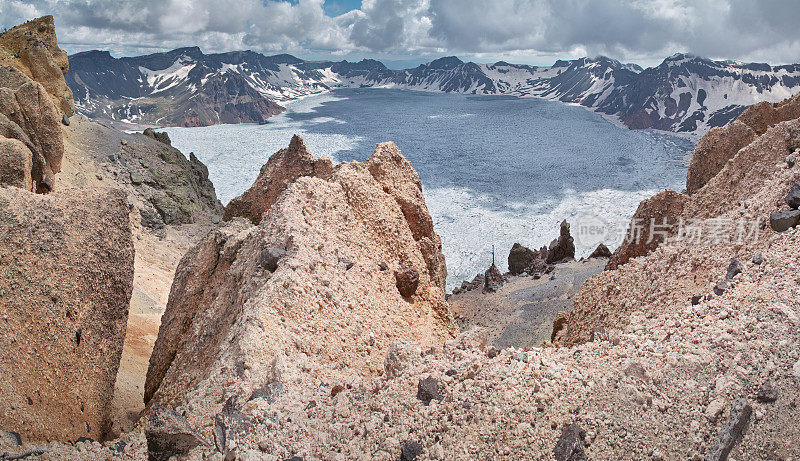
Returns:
(308,319)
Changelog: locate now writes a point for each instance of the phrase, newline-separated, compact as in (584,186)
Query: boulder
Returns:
(282,169)
(520,258)
(160,136)
(28,115)
(658,214)
(570,445)
(601,251)
(493,279)
(731,432)
(168,435)
(32,48)
(66,275)
(407,281)
(781,221)
(563,247)
(227,312)
(15,164)
(793,197)
(714,150)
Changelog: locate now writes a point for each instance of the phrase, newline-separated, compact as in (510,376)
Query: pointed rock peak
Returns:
(297,145)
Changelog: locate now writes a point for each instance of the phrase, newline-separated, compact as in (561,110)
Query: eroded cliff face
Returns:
(336,269)
(726,218)
(66,259)
(33,99)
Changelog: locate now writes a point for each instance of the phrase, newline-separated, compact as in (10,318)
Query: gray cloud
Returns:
(634,30)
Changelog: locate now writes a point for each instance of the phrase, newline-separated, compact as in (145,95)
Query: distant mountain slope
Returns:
(186,87)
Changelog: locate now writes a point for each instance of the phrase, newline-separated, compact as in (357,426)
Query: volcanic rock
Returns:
(714,150)
(493,279)
(660,214)
(429,389)
(520,258)
(731,432)
(571,445)
(168,435)
(601,251)
(32,48)
(793,197)
(225,309)
(160,136)
(781,221)
(66,274)
(563,247)
(407,280)
(282,169)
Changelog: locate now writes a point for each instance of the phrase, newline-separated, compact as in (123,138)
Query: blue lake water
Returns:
(495,170)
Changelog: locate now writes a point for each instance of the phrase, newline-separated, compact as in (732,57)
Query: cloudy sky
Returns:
(405,32)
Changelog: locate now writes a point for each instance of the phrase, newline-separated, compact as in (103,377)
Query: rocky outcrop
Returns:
(66,271)
(34,99)
(160,136)
(654,220)
(28,115)
(520,258)
(314,279)
(171,188)
(714,150)
(719,145)
(601,251)
(562,248)
(282,169)
(33,49)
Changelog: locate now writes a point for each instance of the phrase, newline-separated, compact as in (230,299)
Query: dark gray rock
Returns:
(767,393)
(696,299)
(721,288)
(10,438)
(784,220)
(758,258)
(270,256)
(570,446)
(793,197)
(429,389)
(601,251)
(734,269)
(65,120)
(790,161)
(410,450)
(562,248)
(407,281)
(150,218)
(493,279)
(520,258)
(731,432)
(168,434)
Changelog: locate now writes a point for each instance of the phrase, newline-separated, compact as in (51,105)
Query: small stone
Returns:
(767,393)
(383,266)
(270,256)
(347,264)
(784,220)
(492,352)
(734,269)
(571,446)
(215,219)
(521,356)
(790,161)
(336,389)
(410,450)
(758,258)
(429,389)
(124,142)
(263,445)
(407,281)
(731,432)
(168,434)
(65,120)
(696,299)
(10,438)
(721,288)
(715,408)
(793,197)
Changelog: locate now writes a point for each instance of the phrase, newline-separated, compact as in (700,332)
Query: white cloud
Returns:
(639,30)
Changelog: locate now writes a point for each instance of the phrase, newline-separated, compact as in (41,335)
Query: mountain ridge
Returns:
(683,94)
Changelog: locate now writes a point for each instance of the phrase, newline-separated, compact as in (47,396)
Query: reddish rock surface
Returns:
(646,231)
(66,274)
(714,150)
